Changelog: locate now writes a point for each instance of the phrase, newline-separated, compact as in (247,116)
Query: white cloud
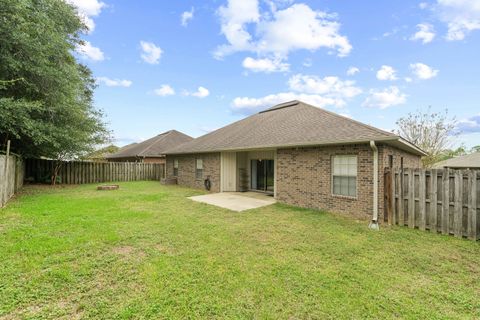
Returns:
(422,71)
(247,105)
(234,18)
(278,32)
(307,63)
(384,98)
(320,92)
(425,33)
(88,9)
(469,125)
(164,90)
(90,52)
(329,86)
(265,65)
(187,16)
(115,82)
(408,79)
(201,92)
(352,71)
(386,73)
(423,5)
(461,17)
(151,53)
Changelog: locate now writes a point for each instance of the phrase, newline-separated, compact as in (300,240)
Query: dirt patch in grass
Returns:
(124,250)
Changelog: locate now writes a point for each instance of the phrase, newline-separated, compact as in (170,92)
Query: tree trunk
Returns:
(56,169)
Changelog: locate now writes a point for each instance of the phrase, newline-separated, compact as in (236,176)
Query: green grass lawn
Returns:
(145,251)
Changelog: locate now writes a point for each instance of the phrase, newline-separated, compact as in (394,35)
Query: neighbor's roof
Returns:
(468,161)
(153,147)
(290,124)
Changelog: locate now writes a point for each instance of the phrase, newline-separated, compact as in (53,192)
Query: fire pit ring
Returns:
(108,187)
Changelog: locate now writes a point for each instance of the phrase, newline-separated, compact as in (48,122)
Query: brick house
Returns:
(300,154)
(151,150)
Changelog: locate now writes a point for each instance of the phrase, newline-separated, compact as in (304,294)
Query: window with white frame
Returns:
(175,167)
(344,175)
(199,168)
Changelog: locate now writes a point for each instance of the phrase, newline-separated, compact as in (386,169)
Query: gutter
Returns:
(374,224)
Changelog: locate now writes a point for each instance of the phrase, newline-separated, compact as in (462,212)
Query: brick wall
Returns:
(186,170)
(154,160)
(304,178)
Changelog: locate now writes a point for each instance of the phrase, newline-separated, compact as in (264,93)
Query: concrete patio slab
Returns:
(236,201)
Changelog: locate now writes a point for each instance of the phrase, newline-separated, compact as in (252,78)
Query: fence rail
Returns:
(439,200)
(81,172)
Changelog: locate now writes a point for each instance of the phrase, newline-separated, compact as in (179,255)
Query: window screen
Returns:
(199,168)
(175,167)
(344,173)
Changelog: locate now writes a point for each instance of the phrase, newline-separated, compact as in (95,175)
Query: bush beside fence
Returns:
(11,177)
(80,172)
(439,200)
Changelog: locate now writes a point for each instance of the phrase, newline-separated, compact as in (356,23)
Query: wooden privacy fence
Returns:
(439,200)
(11,177)
(80,172)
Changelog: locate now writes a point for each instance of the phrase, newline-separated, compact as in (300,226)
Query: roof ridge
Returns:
(160,137)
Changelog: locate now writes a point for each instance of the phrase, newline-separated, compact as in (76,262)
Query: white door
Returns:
(229,171)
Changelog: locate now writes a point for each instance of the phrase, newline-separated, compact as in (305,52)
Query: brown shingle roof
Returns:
(153,147)
(292,123)
(467,161)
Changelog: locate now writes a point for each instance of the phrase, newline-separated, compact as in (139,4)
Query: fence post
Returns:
(446,201)
(472,205)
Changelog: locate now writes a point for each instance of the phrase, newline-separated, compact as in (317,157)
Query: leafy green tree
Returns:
(452,153)
(46,95)
(101,153)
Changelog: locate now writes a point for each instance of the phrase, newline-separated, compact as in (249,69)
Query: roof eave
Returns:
(401,141)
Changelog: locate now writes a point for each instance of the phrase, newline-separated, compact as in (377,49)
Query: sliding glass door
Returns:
(262,175)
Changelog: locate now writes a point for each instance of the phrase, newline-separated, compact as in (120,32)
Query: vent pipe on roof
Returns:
(374,224)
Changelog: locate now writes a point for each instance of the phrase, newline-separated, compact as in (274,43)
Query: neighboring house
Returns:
(101,155)
(151,150)
(469,161)
(301,154)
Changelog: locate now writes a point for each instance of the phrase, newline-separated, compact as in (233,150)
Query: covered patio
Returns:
(248,171)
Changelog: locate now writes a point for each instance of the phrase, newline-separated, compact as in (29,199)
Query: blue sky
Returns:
(196,66)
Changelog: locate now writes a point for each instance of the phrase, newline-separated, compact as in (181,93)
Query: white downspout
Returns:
(374,223)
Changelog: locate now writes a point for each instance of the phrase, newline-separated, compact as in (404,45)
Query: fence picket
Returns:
(458,206)
(411,198)
(433,200)
(421,199)
(401,200)
(391,210)
(446,201)
(472,206)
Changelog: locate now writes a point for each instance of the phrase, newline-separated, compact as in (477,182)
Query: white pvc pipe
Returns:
(374,223)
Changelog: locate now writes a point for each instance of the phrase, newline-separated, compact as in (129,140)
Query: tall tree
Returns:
(46,95)
(431,131)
